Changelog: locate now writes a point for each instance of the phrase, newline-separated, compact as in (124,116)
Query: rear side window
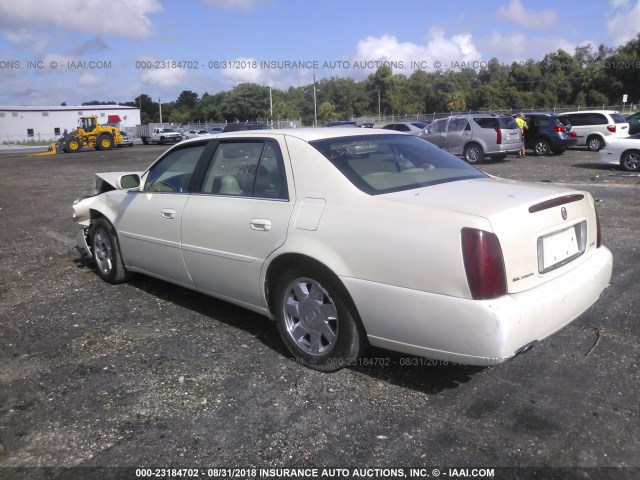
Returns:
(487,122)
(247,168)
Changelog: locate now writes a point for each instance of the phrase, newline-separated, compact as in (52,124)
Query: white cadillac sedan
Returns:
(349,238)
(622,151)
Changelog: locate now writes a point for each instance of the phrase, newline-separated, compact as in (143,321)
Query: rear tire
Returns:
(630,161)
(104,142)
(595,143)
(542,147)
(106,252)
(317,320)
(473,153)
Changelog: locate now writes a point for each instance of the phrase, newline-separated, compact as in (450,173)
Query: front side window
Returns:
(378,164)
(173,172)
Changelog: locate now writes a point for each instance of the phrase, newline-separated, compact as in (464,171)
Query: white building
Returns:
(45,124)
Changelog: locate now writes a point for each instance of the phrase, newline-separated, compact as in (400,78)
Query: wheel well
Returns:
(290,261)
(631,150)
(595,135)
(471,143)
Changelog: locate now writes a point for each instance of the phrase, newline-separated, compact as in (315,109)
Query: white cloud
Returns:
(127,18)
(618,3)
(520,47)
(169,78)
(518,14)
(18,36)
(438,48)
(248,74)
(624,26)
(89,80)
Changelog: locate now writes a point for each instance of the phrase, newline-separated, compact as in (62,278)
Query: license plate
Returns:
(559,248)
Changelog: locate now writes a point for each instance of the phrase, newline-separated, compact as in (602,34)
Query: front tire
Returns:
(73,145)
(317,321)
(473,153)
(106,252)
(630,161)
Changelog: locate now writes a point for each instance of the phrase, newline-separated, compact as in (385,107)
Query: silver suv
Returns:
(476,136)
(592,126)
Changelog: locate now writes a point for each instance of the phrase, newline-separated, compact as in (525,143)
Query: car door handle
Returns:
(260,224)
(168,213)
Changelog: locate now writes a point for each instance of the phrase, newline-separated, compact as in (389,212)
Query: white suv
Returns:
(592,126)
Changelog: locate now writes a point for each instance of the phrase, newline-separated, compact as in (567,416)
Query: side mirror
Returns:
(126,182)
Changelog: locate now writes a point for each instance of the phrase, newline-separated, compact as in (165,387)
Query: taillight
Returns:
(611,128)
(498,136)
(483,264)
(573,134)
(558,128)
(598,231)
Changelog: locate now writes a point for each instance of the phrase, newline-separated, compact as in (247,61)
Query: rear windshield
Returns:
(378,164)
(617,118)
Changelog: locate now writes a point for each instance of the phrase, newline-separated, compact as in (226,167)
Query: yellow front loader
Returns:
(88,134)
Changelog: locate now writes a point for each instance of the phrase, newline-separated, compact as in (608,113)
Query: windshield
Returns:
(378,164)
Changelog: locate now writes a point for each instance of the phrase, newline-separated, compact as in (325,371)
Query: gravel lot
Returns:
(147,374)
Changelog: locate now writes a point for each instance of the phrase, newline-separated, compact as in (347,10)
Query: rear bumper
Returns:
(477,332)
(563,143)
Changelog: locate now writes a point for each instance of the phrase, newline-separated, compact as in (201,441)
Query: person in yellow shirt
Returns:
(522,124)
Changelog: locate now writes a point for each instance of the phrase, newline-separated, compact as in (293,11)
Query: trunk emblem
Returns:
(563,212)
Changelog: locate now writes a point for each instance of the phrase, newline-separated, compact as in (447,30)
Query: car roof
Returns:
(541,114)
(589,111)
(306,134)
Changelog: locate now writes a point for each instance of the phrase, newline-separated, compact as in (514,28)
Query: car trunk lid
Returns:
(543,230)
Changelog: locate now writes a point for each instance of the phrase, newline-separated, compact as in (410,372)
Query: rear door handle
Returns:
(168,213)
(260,224)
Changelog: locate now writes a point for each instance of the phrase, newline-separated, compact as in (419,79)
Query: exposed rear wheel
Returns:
(315,320)
(473,153)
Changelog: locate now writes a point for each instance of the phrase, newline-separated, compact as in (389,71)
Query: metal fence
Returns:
(427,117)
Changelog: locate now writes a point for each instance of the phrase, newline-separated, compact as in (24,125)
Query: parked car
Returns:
(412,128)
(190,134)
(476,136)
(546,134)
(127,140)
(624,152)
(634,123)
(382,239)
(341,123)
(593,126)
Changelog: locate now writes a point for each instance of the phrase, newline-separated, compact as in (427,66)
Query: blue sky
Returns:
(80,50)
